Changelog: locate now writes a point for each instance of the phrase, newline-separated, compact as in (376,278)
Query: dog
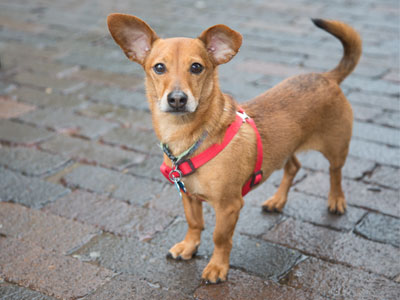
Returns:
(191,115)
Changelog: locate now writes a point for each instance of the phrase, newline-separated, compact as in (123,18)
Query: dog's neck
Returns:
(213,116)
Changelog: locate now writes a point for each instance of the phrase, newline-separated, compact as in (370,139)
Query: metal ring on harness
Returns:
(173,177)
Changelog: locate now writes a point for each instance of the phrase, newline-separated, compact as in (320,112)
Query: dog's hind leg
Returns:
(278,201)
(194,216)
(336,199)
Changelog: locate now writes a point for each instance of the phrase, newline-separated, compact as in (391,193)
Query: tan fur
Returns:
(301,113)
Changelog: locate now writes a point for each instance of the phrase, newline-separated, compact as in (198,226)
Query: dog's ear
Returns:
(222,43)
(133,35)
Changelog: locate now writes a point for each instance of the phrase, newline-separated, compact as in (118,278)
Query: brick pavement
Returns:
(84,213)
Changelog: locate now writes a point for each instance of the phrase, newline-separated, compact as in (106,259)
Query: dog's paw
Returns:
(337,205)
(214,274)
(274,204)
(182,251)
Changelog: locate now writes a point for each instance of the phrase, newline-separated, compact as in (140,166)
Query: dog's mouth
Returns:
(178,112)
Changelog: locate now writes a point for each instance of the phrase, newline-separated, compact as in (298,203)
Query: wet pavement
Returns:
(84,212)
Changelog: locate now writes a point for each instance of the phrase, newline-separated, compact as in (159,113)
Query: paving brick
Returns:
(345,248)
(380,228)
(261,258)
(65,120)
(98,58)
(127,117)
(17,133)
(252,221)
(46,81)
(117,185)
(269,68)
(107,78)
(375,152)
(253,255)
(314,210)
(354,167)
(167,200)
(135,139)
(378,134)
(147,261)
(14,292)
(116,96)
(111,215)
(30,161)
(340,282)
(149,168)
(60,276)
(11,109)
(244,286)
(372,86)
(393,75)
(32,192)
(366,113)
(43,229)
(391,119)
(385,176)
(47,99)
(372,100)
(357,193)
(125,287)
(92,152)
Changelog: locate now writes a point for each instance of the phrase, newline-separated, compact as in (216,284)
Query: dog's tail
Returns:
(352,47)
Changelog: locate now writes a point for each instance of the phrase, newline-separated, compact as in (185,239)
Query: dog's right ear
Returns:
(133,35)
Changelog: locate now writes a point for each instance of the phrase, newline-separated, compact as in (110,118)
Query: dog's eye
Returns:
(196,68)
(159,68)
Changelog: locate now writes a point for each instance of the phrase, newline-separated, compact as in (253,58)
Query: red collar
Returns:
(189,166)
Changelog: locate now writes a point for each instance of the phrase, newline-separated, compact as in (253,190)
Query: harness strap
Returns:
(188,166)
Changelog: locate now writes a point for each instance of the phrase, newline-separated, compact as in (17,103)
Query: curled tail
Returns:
(352,47)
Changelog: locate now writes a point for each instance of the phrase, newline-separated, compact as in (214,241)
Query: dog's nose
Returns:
(177,99)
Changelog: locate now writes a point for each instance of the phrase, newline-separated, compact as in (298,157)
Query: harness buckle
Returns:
(243,115)
(256,178)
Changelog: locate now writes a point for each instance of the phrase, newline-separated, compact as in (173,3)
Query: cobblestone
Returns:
(135,139)
(30,161)
(62,120)
(385,176)
(115,96)
(314,210)
(48,273)
(110,214)
(134,190)
(244,286)
(74,116)
(340,282)
(357,193)
(45,100)
(148,261)
(92,152)
(380,228)
(336,246)
(14,292)
(382,154)
(32,192)
(45,230)
(11,109)
(22,134)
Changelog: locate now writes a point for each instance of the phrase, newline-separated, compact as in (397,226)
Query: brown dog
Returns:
(301,113)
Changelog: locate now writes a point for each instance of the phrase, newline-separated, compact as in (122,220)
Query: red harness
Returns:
(189,166)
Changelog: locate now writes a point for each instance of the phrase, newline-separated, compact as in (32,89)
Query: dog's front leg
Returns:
(227,215)
(194,216)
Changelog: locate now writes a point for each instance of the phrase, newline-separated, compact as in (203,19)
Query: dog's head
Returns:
(180,72)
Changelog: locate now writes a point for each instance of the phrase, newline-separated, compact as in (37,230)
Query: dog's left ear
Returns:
(222,43)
